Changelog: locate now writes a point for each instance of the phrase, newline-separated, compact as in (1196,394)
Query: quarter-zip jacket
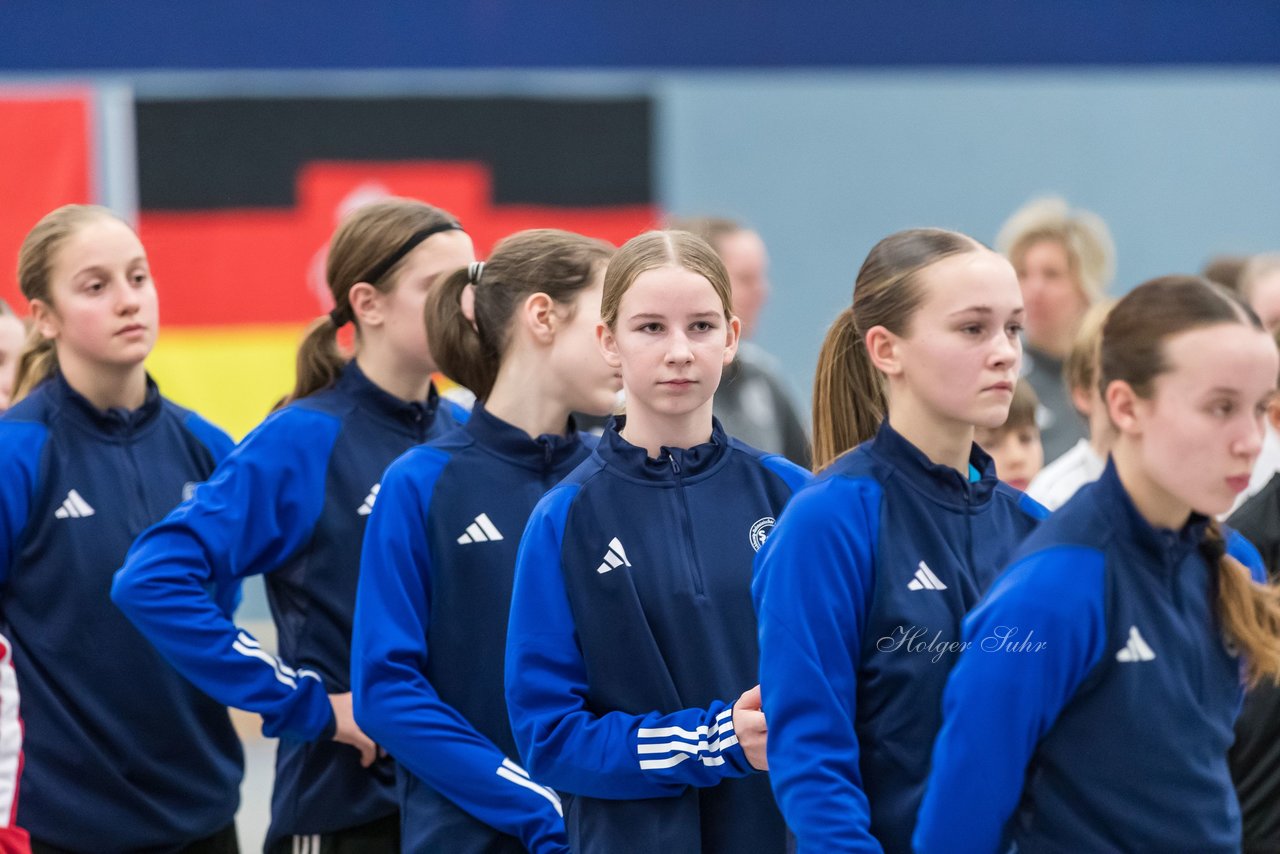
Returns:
(632,635)
(431,631)
(122,752)
(860,592)
(291,503)
(1104,723)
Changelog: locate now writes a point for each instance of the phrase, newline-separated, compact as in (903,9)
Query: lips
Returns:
(1239,483)
(132,328)
(1001,386)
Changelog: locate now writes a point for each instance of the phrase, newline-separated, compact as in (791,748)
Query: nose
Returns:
(1007,350)
(128,299)
(678,350)
(1250,443)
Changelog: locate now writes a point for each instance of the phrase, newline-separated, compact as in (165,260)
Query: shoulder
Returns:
(300,433)
(1060,579)
(214,438)
(1024,503)
(21,442)
(791,474)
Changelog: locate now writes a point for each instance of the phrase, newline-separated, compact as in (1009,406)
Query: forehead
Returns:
(1224,355)
(101,240)
(445,250)
(669,290)
(973,279)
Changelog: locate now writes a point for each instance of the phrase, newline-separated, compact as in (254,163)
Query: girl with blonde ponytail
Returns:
(122,752)
(291,503)
(861,588)
(1105,668)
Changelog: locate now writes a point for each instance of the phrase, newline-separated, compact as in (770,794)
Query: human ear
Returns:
(45,319)
(733,334)
(882,347)
(608,345)
(1125,407)
(538,314)
(366,304)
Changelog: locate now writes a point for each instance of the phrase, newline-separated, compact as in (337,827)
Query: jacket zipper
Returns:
(695,570)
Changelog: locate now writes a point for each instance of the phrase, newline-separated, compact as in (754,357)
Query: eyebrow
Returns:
(98,268)
(985,310)
(651,316)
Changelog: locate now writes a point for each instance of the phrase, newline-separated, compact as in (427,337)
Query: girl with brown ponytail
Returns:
(861,588)
(1093,708)
(291,503)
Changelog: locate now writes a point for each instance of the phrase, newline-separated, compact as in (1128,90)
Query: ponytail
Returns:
(1249,612)
(456,343)
(38,362)
(320,362)
(848,393)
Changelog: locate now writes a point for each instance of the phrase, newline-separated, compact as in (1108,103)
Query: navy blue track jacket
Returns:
(632,635)
(122,752)
(1108,729)
(860,593)
(291,503)
(431,632)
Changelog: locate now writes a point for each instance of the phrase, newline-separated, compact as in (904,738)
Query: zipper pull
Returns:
(675,466)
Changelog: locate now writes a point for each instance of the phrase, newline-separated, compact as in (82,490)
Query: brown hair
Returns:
(1022,409)
(557,263)
(1133,352)
(1082,234)
(848,392)
(363,242)
(1225,270)
(1257,268)
(36,258)
(655,249)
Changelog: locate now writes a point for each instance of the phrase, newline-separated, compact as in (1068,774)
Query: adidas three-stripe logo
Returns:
(482,530)
(615,557)
(1136,649)
(924,579)
(74,507)
(512,772)
(665,747)
(367,507)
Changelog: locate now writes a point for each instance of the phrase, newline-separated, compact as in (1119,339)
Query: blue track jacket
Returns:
(631,637)
(860,593)
(291,502)
(1096,699)
(122,752)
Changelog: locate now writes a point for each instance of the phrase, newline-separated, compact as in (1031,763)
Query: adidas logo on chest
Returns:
(1135,649)
(482,530)
(924,579)
(73,507)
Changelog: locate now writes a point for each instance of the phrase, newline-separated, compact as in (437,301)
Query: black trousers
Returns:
(376,837)
(222,842)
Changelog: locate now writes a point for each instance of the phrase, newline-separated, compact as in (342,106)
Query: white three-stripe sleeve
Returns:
(10,738)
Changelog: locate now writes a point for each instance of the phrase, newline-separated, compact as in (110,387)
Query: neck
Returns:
(392,375)
(1154,504)
(521,398)
(944,442)
(653,431)
(107,387)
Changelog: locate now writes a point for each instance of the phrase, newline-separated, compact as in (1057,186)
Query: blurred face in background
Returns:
(747,261)
(1017,452)
(1264,299)
(1054,299)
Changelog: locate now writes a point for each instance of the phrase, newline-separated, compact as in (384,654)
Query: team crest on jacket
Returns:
(760,532)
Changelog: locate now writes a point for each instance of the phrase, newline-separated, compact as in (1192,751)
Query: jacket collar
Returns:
(940,482)
(1165,546)
(548,451)
(116,421)
(672,464)
(411,413)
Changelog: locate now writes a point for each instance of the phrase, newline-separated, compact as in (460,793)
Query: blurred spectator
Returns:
(12,333)
(753,401)
(1084,463)
(1260,287)
(1225,270)
(1015,445)
(1065,260)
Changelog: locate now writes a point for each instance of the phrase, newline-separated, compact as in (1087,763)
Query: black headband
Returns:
(339,317)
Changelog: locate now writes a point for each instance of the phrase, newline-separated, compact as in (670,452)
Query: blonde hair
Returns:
(1082,234)
(1255,269)
(712,229)
(363,242)
(1080,368)
(848,391)
(557,263)
(655,249)
(36,256)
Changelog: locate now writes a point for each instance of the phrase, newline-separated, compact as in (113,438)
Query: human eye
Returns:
(1222,408)
(702,326)
(652,326)
(1014,329)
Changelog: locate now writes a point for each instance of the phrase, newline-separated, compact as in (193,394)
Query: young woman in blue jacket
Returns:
(440,550)
(1093,708)
(122,752)
(291,503)
(631,655)
(861,589)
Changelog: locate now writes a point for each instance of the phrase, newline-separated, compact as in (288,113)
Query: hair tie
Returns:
(474,271)
(336,318)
